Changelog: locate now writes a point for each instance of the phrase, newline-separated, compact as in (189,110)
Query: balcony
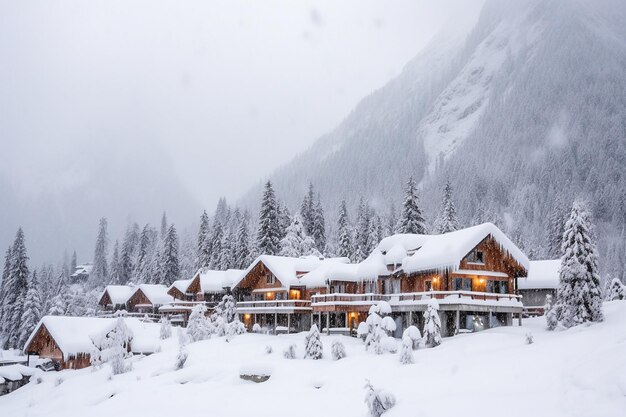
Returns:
(274,306)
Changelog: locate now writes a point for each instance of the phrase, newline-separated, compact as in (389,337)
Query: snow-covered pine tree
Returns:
(145,253)
(432,324)
(377,401)
(446,220)
(181,358)
(344,233)
(414,334)
(290,352)
(412,219)
(187,256)
(269,233)
(579,298)
(313,344)
(338,350)
(392,221)
(16,289)
(99,275)
(116,272)
(406,352)
(550,313)
(242,256)
(617,290)
(203,259)
(113,347)
(32,309)
(58,306)
(164,226)
(555,229)
(168,264)
(4,285)
(307,210)
(198,327)
(296,242)
(165,331)
(362,236)
(217,239)
(375,234)
(73,263)
(318,232)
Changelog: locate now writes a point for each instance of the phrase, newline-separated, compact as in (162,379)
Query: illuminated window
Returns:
(428,285)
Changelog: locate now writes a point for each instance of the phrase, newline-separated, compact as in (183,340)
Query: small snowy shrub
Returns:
(181,357)
(377,401)
(389,344)
(388,325)
(166,328)
(529,338)
(58,382)
(338,350)
(39,380)
(432,324)
(198,327)
(362,331)
(268,349)
(313,344)
(256,328)
(112,347)
(550,313)
(234,328)
(414,334)
(406,352)
(617,290)
(290,352)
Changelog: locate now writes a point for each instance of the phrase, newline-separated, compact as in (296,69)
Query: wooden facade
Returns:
(140,303)
(44,345)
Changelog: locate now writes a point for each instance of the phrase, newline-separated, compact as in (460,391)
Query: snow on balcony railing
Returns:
(403,298)
(265,304)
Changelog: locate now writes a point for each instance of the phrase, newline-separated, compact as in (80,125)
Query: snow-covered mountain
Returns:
(524,108)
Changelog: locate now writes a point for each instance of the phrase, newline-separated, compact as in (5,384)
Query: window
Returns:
(476,257)
(428,285)
(498,287)
(462,284)
(271,278)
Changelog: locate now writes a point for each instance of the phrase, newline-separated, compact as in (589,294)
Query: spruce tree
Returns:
(363,231)
(169,266)
(125,269)
(318,227)
(16,291)
(392,221)
(307,211)
(73,263)
(447,220)
(164,226)
(5,288)
(116,272)
(432,325)
(242,254)
(203,249)
(296,243)
(579,298)
(555,229)
(217,240)
(100,273)
(344,233)
(141,271)
(32,309)
(412,219)
(269,233)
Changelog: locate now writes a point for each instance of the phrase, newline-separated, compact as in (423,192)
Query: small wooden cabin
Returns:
(115,297)
(147,298)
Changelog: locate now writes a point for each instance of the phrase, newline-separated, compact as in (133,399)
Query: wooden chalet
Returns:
(147,298)
(542,280)
(69,341)
(115,297)
(472,272)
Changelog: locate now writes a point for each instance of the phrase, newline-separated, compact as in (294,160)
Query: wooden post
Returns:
(457,322)
(275,322)
(519,316)
(288,322)
(410,318)
(328,322)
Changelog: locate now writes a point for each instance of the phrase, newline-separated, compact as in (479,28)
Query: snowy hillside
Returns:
(522,111)
(578,372)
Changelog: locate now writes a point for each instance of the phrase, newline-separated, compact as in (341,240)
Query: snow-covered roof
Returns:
(446,251)
(291,271)
(156,293)
(215,281)
(541,275)
(330,271)
(181,285)
(74,335)
(83,269)
(15,372)
(119,294)
(395,248)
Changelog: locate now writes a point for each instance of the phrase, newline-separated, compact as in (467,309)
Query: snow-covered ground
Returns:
(577,372)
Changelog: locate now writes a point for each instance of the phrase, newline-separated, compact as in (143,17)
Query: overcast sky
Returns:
(230,89)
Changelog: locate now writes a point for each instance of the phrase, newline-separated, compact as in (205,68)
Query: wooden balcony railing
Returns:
(360,299)
(264,304)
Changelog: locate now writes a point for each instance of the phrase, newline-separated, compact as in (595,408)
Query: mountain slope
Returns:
(526,109)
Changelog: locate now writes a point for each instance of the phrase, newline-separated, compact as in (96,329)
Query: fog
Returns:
(127,108)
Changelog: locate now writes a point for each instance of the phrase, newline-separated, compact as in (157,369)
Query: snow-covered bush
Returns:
(414,334)
(432,324)
(388,325)
(617,290)
(224,314)
(234,328)
(362,330)
(198,327)
(181,357)
(112,347)
(166,328)
(256,328)
(550,313)
(529,338)
(406,352)
(313,344)
(378,401)
(269,349)
(388,344)
(338,350)
(290,352)
(374,323)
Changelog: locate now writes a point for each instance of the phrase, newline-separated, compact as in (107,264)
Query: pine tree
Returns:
(165,331)
(269,232)
(73,263)
(16,290)
(141,272)
(32,309)
(307,211)
(125,272)
(4,291)
(296,243)
(198,326)
(187,256)
(412,220)
(579,298)
(556,228)
(344,233)
(164,226)
(169,267)
(432,325)
(392,221)
(203,249)
(363,228)
(406,352)
(318,227)
(100,273)
(217,240)
(242,253)
(447,220)
(313,344)
(378,401)
(338,350)
(550,313)
(116,271)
